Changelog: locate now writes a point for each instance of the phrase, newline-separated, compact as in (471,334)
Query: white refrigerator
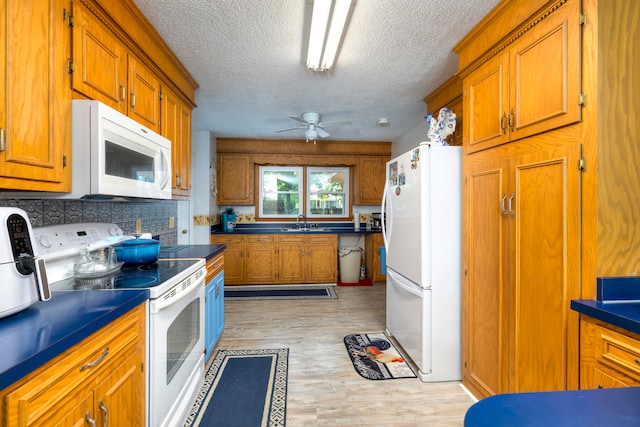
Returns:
(422,233)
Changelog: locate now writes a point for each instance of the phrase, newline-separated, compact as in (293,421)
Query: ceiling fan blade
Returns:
(287,130)
(334,123)
(321,132)
(298,119)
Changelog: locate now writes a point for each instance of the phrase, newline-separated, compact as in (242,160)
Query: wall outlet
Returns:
(138,226)
(172,222)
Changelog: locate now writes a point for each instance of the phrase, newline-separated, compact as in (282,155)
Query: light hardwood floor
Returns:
(324,388)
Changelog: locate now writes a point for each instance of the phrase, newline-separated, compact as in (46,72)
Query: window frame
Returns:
(346,191)
(261,192)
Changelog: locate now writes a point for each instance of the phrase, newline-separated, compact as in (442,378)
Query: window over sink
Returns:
(316,192)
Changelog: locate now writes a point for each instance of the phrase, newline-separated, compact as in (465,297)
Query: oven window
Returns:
(125,163)
(182,336)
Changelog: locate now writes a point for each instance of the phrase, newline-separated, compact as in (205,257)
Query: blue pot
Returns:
(138,251)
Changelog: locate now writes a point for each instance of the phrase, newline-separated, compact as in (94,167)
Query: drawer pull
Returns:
(217,266)
(95,362)
(90,420)
(637,361)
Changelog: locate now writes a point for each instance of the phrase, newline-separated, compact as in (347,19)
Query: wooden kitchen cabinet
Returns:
(372,242)
(250,258)
(521,240)
(235,179)
(107,71)
(307,258)
(261,261)
(608,355)
(102,379)
(176,126)
(531,87)
(35,100)
(370,176)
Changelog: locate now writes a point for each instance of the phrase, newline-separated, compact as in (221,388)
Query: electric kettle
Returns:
(23,278)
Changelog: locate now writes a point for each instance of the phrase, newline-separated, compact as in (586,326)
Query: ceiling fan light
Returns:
(311,135)
(327,26)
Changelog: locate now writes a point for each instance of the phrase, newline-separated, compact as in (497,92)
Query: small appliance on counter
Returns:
(376,221)
(229,220)
(24,279)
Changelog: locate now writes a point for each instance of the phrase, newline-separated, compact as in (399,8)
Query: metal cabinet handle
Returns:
(503,119)
(217,290)
(511,119)
(3,140)
(95,362)
(217,266)
(178,183)
(309,251)
(504,212)
(122,94)
(133,100)
(90,420)
(510,204)
(105,411)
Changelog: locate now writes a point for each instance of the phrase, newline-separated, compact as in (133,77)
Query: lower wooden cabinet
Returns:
(277,259)
(372,243)
(101,380)
(609,357)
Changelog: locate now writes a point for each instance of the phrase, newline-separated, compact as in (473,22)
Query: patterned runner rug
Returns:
(375,358)
(232,293)
(243,388)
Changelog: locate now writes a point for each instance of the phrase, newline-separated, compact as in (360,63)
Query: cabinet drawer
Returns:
(331,239)
(214,266)
(260,239)
(292,239)
(228,239)
(617,351)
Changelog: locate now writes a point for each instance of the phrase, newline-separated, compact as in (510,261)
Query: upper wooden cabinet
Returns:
(531,87)
(35,99)
(105,70)
(370,176)
(235,179)
(449,95)
(176,126)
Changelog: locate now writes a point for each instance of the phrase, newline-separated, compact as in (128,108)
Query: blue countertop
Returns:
(618,407)
(276,228)
(191,251)
(34,336)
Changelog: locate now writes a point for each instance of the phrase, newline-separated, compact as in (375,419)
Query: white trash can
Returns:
(350,257)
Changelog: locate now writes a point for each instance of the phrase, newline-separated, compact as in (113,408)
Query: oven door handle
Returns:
(171,297)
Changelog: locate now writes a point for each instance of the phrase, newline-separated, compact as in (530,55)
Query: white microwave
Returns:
(113,157)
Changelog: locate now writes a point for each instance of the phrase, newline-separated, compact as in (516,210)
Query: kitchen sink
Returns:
(304,229)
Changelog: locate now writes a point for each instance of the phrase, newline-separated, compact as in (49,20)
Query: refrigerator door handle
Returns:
(413,289)
(383,215)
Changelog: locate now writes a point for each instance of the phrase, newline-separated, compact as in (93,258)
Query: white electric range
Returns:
(175,321)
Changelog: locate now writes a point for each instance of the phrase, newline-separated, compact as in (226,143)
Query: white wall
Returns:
(410,139)
(202,160)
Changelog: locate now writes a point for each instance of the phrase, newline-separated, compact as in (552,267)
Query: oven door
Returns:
(176,355)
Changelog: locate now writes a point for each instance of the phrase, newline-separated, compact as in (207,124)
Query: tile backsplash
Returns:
(153,214)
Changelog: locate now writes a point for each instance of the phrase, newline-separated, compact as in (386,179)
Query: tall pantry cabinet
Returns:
(522,177)
(551,209)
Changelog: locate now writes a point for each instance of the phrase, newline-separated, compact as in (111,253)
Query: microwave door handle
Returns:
(166,162)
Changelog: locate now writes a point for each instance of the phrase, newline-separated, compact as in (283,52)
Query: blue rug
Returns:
(243,388)
(279,292)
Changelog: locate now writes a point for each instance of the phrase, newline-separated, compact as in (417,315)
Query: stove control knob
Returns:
(44,242)
(115,231)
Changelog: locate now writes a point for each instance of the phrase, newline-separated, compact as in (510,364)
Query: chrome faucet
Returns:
(298,219)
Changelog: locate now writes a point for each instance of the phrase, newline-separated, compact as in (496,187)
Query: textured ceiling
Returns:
(248,56)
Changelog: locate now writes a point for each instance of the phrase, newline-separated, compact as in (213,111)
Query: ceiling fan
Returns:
(314,127)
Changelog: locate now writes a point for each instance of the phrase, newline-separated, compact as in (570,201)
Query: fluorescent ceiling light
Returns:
(327,24)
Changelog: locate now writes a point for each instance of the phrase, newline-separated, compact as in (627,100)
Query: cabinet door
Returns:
(370,178)
(485,296)
(485,98)
(291,259)
(544,270)
(120,398)
(176,127)
(100,60)
(322,259)
(35,99)
(144,94)
(235,179)
(234,257)
(261,259)
(544,74)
